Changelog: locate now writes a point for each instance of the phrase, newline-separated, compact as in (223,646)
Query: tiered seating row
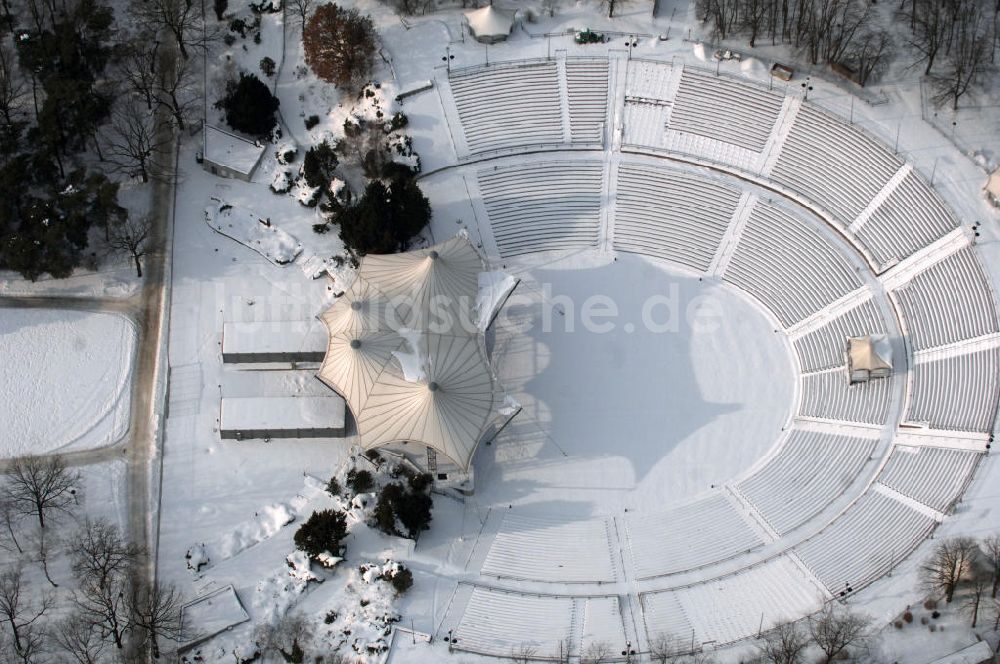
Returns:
(648,80)
(865,542)
(789,266)
(810,471)
(587,89)
(672,215)
(602,623)
(724,110)
(733,607)
(930,475)
(949,301)
(825,347)
(645,124)
(698,534)
(827,395)
(543,206)
(833,164)
(957,393)
(551,550)
(509,106)
(499,623)
(910,218)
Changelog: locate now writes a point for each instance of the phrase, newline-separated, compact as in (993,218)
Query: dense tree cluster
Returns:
(841,32)
(404,508)
(53,100)
(386,217)
(340,45)
(114,613)
(78,102)
(956,42)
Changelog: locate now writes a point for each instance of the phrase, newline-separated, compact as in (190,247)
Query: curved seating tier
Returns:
(501,623)
(733,607)
(671,215)
(865,542)
(957,393)
(549,550)
(543,206)
(724,110)
(826,395)
(949,301)
(826,346)
(587,95)
(910,218)
(788,266)
(509,106)
(822,159)
(697,534)
(930,475)
(810,470)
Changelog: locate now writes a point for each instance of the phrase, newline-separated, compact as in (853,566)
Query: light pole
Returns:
(807,88)
(448,57)
(631,42)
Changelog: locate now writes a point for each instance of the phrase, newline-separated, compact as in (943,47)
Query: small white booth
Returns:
(490,25)
(868,357)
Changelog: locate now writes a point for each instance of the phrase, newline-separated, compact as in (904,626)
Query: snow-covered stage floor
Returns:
(642,384)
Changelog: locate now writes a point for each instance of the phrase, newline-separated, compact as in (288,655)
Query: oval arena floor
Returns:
(720,460)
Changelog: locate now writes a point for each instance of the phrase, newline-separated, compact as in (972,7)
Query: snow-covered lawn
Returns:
(256,233)
(65,379)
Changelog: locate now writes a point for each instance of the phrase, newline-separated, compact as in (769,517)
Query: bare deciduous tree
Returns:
(40,486)
(132,140)
(597,653)
(871,54)
(835,631)
(301,9)
(785,644)
(138,69)
(21,609)
(523,654)
(10,516)
(182,19)
(978,590)
(130,237)
(967,60)
(284,637)
(665,649)
(79,641)
(105,607)
(990,548)
(12,86)
(949,562)
(44,543)
(98,551)
(156,614)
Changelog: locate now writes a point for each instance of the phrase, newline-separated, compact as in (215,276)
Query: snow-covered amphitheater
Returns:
(713,479)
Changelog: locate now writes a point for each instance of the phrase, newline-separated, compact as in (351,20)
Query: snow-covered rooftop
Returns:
(232,151)
(273,337)
(282,413)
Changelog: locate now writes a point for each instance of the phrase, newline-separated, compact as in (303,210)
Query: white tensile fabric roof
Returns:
(406,354)
(490,21)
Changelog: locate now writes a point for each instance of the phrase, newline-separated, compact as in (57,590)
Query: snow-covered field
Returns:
(75,367)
